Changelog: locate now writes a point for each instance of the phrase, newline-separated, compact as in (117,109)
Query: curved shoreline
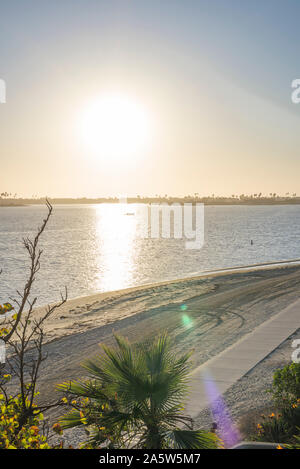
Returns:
(190,277)
(84,313)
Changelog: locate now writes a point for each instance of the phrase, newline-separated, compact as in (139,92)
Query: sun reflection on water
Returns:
(116,239)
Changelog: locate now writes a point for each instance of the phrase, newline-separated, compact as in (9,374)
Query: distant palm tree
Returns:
(137,393)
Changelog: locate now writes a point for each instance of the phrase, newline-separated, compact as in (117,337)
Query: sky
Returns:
(206,86)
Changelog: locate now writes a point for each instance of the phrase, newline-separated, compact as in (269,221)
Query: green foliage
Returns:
(14,434)
(296,444)
(286,385)
(134,399)
(20,416)
(283,426)
(275,428)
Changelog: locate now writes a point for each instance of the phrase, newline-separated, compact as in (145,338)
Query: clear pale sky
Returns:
(213,77)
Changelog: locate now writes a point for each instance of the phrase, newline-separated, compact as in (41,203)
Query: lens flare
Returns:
(187,321)
(220,413)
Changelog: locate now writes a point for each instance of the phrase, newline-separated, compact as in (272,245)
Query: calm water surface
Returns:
(92,248)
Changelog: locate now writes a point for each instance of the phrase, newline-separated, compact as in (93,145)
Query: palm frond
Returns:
(71,419)
(143,389)
(89,389)
(192,439)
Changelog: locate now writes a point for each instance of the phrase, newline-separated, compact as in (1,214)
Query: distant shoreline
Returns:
(153,200)
(13,205)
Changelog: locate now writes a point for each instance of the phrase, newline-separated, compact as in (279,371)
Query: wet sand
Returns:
(84,313)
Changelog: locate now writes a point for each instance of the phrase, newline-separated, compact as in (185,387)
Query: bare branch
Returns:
(26,335)
(34,255)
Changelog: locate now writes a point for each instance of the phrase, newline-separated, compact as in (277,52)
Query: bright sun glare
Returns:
(116,127)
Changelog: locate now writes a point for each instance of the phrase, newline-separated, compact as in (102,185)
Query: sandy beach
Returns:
(205,314)
(79,315)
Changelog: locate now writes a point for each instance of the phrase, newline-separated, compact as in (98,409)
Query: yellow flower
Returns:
(44,446)
(279,447)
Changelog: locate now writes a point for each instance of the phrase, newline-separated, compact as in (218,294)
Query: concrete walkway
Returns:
(222,371)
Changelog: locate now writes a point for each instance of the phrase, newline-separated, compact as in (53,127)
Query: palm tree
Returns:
(135,397)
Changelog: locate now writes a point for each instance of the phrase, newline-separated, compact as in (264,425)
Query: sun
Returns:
(115,127)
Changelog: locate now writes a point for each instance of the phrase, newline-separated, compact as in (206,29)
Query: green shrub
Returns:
(280,427)
(272,428)
(286,385)
(283,426)
(13,433)
(296,444)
